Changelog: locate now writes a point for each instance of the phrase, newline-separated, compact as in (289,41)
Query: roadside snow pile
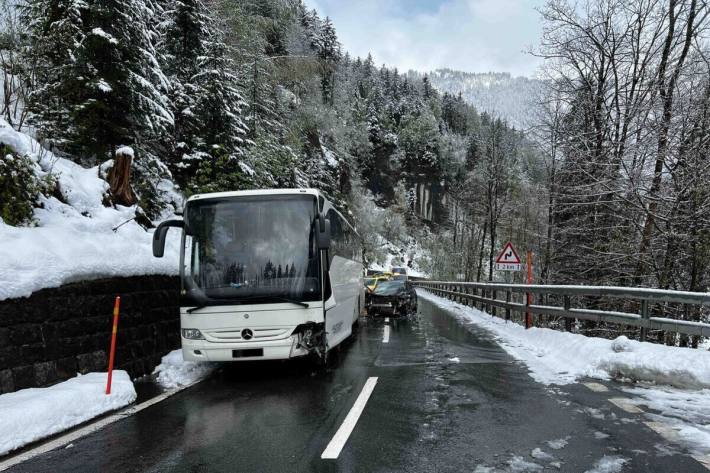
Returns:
(555,357)
(73,240)
(173,371)
(33,414)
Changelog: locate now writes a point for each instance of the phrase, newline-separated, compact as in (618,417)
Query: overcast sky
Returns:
(468,35)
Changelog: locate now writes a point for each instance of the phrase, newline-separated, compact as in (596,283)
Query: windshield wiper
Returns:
(210,302)
(193,309)
(286,299)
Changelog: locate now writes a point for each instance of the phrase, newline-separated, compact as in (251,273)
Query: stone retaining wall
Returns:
(56,333)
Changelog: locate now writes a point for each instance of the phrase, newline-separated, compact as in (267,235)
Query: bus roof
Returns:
(219,195)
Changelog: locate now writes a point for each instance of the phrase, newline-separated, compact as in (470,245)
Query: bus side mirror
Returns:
(159,236)
(323,233)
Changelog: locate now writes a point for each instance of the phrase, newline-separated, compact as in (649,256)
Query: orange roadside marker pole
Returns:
(112,353)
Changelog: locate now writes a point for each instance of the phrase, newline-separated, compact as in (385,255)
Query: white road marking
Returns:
(67,439)
(332,451)
(387,320)
(625,405)
(596,387)
(386,335)
(662,429)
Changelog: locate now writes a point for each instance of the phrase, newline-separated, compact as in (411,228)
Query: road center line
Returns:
(386,335)
(625,405)
(332,451)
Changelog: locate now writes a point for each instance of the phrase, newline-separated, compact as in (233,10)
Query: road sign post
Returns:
(528,315)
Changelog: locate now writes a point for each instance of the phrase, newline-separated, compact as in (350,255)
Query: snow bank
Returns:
(73,241)
(555,357)
(32,414)
(173,371)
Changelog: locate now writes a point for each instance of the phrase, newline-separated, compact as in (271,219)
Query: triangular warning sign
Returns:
(508,255)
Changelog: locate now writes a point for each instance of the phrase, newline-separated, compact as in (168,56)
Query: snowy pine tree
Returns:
(218,109)
(123,91)
(56,28)
(185,41)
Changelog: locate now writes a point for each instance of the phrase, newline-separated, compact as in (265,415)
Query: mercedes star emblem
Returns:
(247,334)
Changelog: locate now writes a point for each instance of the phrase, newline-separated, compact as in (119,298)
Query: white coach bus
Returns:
(267,274)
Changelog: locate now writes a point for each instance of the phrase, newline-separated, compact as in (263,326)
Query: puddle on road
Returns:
(434,337)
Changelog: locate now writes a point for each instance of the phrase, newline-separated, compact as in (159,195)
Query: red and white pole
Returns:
(528,315)
(112,353)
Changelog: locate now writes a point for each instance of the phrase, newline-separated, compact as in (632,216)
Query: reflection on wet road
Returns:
(447,399)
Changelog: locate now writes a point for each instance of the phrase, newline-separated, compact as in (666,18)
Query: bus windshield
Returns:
(254,249)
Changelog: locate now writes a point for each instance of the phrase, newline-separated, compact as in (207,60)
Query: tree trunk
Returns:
(666,90)
(480,254)
(119,179)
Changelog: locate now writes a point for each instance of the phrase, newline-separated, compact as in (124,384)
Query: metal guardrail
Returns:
(485,294)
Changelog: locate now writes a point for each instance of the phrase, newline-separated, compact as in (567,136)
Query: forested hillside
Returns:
(498,93)
(607,184)
(230,95)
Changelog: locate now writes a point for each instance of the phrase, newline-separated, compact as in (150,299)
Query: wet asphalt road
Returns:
(427,414)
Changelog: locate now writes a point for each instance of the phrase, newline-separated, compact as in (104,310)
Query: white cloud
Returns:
(471,35)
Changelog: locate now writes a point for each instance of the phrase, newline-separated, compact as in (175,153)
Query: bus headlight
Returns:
(192,334)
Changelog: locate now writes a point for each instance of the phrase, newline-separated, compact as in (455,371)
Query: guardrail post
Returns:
(644,316)
(508,295)
(528,315)
(568,320)
(494,296)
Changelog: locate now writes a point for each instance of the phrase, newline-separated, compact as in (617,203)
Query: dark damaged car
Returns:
(395,297)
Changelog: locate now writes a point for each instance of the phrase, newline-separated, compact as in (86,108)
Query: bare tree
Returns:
(14,89)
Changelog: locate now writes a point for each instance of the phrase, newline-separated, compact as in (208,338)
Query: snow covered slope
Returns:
(497,93)
(74,240)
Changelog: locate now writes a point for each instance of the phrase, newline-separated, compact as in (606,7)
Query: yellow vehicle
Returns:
(372,281)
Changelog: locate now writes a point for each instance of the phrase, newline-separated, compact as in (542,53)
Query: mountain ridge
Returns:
(497,93)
